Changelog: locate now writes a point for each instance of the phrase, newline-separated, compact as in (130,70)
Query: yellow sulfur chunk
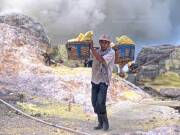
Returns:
(83,37)
(88,36)
(124,40)
(80,37)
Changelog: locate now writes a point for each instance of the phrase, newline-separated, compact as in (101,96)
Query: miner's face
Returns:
(104,44)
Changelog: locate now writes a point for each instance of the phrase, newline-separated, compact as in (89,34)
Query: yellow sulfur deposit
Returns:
(88,36)
(131,95)
(80,37)
(124,40)
(83,37)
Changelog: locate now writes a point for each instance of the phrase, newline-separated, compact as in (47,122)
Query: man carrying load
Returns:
(103,62)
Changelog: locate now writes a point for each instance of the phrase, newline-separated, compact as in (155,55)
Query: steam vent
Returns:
(22,43)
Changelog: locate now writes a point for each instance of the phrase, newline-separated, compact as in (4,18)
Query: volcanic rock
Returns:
(22,43)
(156,60)
(170,92)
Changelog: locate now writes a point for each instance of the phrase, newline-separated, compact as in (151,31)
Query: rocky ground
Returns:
(125,117)
(13,124)
(131,111)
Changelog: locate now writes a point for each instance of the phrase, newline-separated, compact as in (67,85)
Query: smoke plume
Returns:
(146,21)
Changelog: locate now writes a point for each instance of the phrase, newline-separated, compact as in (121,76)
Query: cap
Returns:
(105,38)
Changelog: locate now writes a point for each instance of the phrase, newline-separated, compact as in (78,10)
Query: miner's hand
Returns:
(91,45)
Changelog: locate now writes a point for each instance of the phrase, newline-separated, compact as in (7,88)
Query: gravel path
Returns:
(126,118)
(14,124)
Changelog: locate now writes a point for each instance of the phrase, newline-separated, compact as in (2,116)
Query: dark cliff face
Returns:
(156,60)
(154,54)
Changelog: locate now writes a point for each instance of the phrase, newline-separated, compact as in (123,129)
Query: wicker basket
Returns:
(78,50)
(124,53)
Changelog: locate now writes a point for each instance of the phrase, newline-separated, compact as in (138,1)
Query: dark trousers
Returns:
(98,97)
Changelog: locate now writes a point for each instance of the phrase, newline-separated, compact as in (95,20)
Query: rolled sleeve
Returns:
(109,57)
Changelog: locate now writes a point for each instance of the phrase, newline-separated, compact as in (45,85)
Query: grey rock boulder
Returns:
(170,92)
(156,60)
(27,23)
(22,43)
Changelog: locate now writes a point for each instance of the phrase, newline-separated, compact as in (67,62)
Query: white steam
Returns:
(143,20)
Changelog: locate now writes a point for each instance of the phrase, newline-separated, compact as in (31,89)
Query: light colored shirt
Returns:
(97,73)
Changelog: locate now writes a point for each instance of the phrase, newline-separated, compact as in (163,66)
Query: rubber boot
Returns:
(105,122)
(100,123)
